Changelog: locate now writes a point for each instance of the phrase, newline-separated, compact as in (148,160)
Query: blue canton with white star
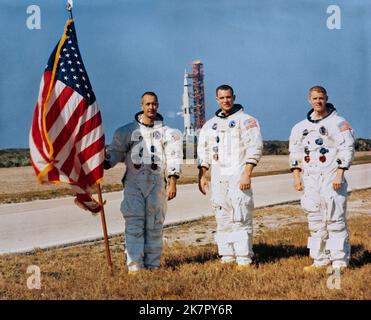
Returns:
(70,68)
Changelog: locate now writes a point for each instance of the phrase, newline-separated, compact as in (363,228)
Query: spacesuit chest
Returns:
(225,137)
(318,145)
(147,150)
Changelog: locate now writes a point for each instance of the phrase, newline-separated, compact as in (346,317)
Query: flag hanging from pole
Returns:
(66,137)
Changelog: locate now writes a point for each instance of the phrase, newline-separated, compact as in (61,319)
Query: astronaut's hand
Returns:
(245,182)
(298,184)
(106,165)
(203,184)
(171,191)
(336,184)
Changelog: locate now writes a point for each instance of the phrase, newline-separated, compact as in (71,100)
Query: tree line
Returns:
(20,157)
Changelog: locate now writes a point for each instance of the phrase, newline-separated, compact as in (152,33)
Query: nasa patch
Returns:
(323,131)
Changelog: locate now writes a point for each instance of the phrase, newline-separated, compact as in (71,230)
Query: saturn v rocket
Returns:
(193,112)
(186,109)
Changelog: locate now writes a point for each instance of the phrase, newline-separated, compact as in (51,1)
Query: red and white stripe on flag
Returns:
(66,137)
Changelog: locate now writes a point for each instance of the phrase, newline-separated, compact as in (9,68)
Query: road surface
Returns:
(57,222)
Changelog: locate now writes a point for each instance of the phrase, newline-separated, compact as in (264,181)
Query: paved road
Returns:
(55,222)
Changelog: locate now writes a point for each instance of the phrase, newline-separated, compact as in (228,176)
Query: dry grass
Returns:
(193,271)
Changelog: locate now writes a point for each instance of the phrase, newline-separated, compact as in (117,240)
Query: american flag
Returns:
(66,137)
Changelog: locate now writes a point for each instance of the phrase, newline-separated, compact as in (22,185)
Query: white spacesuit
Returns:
(150,153)
(319,147)
(227,144)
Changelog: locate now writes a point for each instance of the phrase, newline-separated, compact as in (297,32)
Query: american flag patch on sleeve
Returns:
(250,123)
(344,125)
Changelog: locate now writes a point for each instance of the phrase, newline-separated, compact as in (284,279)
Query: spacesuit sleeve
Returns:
(119,147)
(344,139)
(203,153)
(173,147)
(254,143)
(296,149)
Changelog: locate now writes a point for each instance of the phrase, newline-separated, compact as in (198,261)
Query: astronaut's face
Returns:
(318,101)
(149,106)
(225,99)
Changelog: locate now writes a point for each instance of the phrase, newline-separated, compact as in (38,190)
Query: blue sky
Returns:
(270,51)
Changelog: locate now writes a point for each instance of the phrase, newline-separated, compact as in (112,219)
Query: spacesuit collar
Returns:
(236,108)
(159,118)
(330,108)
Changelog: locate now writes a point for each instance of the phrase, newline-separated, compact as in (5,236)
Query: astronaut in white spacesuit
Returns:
(231,144)
(151,152)
(322,146)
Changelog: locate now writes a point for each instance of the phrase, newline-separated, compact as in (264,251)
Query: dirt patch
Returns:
(202,232)
(23,179)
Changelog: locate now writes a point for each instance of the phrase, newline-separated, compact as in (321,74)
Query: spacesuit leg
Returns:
(156,206)
(133,209)
(243,206)
(222,237)
(311,203)
(223,220)
(338,240)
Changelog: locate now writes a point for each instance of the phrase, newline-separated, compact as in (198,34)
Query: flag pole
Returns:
(104,227)
(102,215)
(69,9)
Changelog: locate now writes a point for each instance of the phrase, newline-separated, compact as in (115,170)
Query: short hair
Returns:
(319,89)
(149,93)
(224,87)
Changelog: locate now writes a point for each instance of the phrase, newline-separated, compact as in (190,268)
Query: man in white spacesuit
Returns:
(322,146)
(151,152)
(231,144)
